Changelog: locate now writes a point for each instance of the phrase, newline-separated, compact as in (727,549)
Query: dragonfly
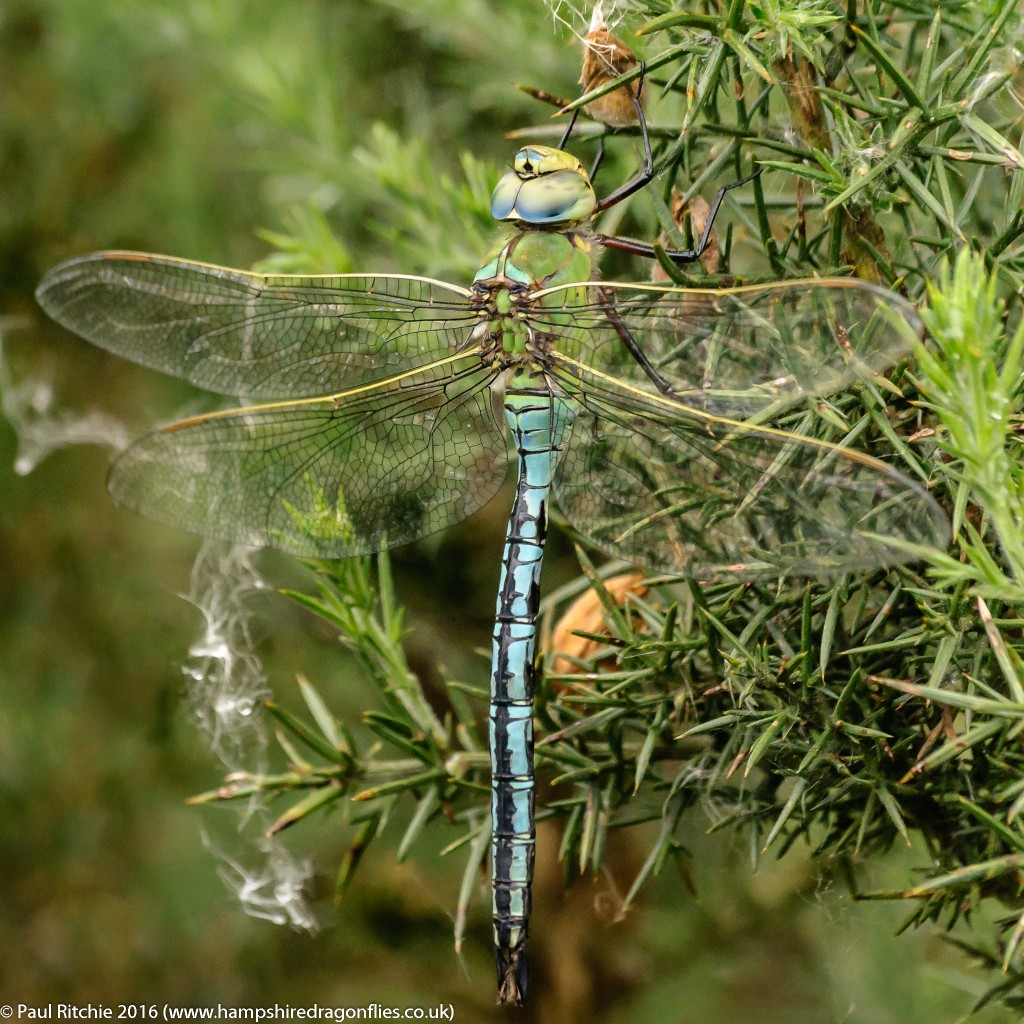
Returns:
(380,408)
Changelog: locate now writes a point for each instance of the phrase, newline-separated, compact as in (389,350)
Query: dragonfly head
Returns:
(545,187)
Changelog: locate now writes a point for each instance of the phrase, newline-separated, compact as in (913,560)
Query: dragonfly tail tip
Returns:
(512,976)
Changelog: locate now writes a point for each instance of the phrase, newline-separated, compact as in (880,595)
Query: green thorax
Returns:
(537,259)
(524,261)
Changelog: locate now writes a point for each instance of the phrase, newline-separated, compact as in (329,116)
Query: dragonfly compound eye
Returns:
(546,186)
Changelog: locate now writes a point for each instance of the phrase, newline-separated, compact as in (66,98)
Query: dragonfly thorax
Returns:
(509,290)
(505,334)
(545,187)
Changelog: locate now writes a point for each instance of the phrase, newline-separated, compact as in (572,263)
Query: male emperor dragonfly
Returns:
(375,418)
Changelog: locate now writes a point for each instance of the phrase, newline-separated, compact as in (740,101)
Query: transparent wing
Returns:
(678,490)
(734,352)
(261,336)
(329,477)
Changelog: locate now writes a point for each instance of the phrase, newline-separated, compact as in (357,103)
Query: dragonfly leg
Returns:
(596,165)
(645,176)
(630,245)
(568,131)
(632,346)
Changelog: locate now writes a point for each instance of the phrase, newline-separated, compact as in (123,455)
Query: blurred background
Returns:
(335,136)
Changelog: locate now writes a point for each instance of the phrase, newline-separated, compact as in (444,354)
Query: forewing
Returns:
(735,352)
(676,490)
(332,477)
(261,336)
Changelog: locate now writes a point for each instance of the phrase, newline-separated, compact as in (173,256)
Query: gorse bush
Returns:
(853,715)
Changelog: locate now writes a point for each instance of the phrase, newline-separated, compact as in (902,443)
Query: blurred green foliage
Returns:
(324,137)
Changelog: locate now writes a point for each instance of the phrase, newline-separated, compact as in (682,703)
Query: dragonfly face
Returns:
(545,187)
